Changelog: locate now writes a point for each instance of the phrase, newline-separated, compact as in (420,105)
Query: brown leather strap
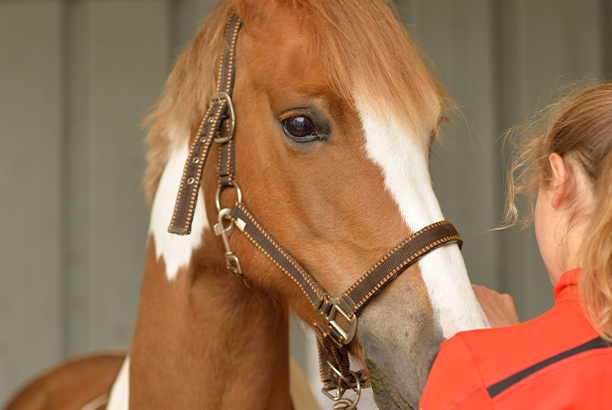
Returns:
(225,166)
(187,197)
(365,288)
(261,238)
(210,128)
(395,262)
(225,76)
(332,354)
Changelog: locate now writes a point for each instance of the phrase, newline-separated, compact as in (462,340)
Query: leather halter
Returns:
(218,126)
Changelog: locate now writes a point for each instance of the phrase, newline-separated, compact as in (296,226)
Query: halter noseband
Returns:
(218,126)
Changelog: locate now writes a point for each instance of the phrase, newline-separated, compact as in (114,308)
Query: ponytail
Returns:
(595,283)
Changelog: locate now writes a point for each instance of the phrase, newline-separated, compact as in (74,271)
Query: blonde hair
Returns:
(578,126)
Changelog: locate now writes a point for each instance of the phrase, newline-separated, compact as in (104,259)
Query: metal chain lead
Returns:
(344,403)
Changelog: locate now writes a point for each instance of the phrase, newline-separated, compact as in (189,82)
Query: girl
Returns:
(562,359)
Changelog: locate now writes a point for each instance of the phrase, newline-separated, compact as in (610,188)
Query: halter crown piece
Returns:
(218,126)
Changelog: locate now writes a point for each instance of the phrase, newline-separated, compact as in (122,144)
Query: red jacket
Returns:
(556,361)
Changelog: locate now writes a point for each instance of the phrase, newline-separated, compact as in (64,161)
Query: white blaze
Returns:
(175,249)
(403,160)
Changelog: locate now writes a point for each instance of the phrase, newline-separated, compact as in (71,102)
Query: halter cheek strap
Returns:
(218,126)
(333,355)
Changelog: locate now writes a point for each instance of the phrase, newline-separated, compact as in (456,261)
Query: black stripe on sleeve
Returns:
(499,387)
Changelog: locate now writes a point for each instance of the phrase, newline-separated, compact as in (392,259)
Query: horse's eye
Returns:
(300,128)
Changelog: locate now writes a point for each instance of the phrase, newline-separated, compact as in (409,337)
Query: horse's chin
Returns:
(399,344)
(386,397)
(398,374)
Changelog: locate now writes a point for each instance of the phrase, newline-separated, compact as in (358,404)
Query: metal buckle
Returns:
(347,336)
(230,112)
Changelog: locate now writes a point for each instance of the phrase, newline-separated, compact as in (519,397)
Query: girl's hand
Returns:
(499,308)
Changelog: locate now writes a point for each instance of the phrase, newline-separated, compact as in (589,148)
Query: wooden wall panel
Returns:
(31,249)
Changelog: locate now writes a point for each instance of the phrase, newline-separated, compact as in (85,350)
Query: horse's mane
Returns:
(362,47)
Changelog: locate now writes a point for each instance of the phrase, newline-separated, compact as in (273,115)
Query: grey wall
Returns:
(77,77)
(497,59)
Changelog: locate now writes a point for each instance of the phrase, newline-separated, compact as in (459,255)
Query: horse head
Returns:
(335,118)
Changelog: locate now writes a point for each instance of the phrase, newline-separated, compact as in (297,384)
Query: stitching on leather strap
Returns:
(184,208)
(397,260)
(303,275)
(186,200)
(404,242)
(287,257)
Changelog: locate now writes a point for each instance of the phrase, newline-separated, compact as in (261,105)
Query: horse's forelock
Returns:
(365,50)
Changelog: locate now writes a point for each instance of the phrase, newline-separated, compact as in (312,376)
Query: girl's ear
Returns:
(563,183)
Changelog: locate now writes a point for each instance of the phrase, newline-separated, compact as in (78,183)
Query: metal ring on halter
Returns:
(339,393)
(220,96)
(356,387)
(221,188)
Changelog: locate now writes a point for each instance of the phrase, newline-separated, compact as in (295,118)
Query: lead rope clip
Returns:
(231,260)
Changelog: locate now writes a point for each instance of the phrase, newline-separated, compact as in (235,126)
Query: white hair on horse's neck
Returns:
(119,398)
(403,159)
(176,250)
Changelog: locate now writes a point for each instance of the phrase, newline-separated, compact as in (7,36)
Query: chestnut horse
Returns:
(335,116)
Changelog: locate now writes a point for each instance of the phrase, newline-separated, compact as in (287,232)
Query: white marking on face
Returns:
(175,249)
(403,159)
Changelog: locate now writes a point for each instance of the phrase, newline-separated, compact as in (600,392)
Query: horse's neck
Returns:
(205,341)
